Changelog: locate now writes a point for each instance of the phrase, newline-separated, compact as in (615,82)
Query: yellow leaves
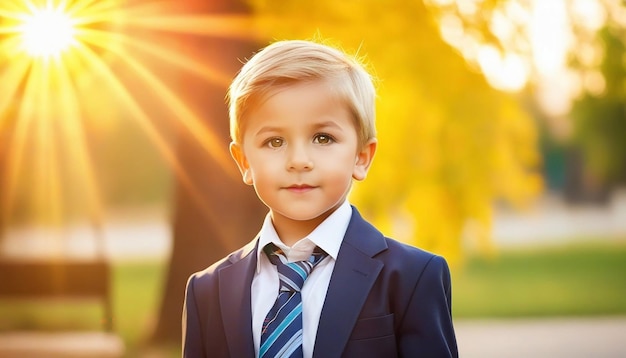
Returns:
(449,146)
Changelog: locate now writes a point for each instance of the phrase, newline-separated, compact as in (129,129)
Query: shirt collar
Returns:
(328,236)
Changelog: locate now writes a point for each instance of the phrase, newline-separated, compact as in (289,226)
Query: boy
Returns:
(318,280)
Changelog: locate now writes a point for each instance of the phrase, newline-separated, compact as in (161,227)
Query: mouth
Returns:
(300,188)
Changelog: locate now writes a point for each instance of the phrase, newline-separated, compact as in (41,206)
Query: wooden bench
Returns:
(58,279)
(51,279)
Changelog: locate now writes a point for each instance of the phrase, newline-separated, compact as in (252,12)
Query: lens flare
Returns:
(47,32)
(74,71)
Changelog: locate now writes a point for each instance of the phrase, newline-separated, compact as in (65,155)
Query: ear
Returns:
(364,159)
(236,151)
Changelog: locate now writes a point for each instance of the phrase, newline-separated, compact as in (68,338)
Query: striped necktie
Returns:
(281,334)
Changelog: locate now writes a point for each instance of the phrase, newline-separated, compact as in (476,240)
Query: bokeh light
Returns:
(47,31)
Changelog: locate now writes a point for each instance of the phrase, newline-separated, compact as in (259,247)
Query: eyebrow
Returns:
(267,129)
(315,126)
(326,124)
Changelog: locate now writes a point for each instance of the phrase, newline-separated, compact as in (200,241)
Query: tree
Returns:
(450,145)
(599,114)
(4,153)
(214,212)
(575,78)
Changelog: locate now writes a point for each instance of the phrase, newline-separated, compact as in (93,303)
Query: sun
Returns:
(76,70)
(47,32)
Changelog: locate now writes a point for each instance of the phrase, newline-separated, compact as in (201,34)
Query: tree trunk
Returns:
(221,214)
(4,140)
(7,126)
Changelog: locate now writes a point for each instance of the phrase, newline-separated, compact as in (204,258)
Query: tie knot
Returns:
(293,274)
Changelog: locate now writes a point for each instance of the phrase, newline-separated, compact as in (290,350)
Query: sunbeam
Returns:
(183,113)
(231,26)
(73,132)
(48,49)
(12,77)
(136,112)
(47,178)
(107,40)
(20,140)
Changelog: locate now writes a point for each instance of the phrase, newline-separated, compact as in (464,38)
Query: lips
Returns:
(300,188)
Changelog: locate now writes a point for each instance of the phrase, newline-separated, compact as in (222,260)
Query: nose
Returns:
(299,158)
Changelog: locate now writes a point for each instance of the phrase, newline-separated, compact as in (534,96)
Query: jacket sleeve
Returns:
(192,330)
(426,329)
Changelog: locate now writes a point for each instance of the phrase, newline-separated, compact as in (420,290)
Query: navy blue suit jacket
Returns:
(385,299)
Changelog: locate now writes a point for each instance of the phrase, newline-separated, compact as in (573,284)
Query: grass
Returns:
(566,281)
(136,301)
(577,280)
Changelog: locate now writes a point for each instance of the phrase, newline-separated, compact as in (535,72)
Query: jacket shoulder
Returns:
(210,273)
(413,260)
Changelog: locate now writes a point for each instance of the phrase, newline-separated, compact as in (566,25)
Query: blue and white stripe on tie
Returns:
(281,334)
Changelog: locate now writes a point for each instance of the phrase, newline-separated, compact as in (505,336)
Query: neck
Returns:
(291,231)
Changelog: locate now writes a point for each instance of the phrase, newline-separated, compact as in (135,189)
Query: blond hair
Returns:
(286,63)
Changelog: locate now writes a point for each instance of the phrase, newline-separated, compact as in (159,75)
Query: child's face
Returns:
(300,150)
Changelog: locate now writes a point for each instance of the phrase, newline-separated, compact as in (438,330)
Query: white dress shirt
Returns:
(265,284)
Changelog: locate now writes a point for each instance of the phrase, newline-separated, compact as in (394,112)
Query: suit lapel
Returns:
(353,277)
(235,301)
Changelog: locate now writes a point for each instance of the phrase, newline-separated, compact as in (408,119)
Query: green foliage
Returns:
(600,118)
(449,144)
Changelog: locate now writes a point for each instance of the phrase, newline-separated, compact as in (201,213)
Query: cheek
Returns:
(263,167)
(343,168)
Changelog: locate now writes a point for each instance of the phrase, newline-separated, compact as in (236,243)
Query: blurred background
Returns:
(502,130)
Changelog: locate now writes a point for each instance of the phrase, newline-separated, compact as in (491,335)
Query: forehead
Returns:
(298,103)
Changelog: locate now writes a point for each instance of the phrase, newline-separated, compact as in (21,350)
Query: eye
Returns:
(323,139)
(275,142)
